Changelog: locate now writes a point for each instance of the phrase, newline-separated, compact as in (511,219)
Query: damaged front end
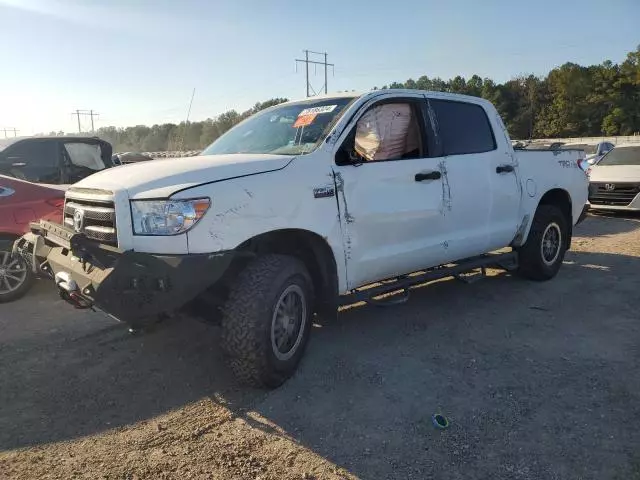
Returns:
(131,286)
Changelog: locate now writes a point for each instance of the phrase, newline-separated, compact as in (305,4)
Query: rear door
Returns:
(469,149)
(484,194)
(81,159)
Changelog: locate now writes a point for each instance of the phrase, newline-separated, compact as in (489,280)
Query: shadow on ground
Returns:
(603,224)
(539,380)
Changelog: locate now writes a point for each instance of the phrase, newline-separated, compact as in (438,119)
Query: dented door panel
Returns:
(391,223)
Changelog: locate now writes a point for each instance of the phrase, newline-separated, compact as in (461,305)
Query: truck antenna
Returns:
(186,121)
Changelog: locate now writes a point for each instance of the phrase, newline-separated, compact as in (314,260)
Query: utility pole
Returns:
(10,129)
(326,84)
(78,115)
(306,65)
(90,113)
(306,62)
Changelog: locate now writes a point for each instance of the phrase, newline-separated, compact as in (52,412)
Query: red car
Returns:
(22,202)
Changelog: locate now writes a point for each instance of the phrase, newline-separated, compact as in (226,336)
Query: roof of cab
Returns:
(395,91)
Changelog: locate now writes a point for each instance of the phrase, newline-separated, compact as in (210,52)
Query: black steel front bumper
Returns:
(129,285)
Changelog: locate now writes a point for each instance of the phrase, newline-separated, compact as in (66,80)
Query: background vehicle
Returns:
(132,157)
(615,180)
(54,160)
(593,152)
(307,201)
(20,203)
(534,145)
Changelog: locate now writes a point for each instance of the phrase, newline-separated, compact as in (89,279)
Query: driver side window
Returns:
(34,161)
(386,131)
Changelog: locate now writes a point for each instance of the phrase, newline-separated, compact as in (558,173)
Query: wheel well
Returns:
(314,251)
(561,199)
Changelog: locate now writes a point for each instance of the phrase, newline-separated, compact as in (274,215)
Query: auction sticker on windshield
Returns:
(304,120)
(317,110)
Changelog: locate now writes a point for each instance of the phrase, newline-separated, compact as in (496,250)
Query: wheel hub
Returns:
(551,243)
(13,272)
(288,322)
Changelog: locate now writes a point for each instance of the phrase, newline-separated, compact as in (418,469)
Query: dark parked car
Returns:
(54,160)
(131,157)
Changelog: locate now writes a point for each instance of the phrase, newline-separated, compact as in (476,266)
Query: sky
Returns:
(138,61)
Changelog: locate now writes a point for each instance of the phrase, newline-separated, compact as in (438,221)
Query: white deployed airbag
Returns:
(381,133)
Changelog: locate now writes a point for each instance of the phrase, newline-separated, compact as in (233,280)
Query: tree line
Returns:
(181,137)
(570,101)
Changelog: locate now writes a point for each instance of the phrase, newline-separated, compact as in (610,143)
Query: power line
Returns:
(90,113)
(9,129)
(306,62)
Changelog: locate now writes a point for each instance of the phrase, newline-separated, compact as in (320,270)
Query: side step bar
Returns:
(507,261)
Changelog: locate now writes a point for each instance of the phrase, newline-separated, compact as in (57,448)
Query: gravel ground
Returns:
(539,381)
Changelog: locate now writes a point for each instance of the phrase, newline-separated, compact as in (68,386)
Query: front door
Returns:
(36,160)
(391,203)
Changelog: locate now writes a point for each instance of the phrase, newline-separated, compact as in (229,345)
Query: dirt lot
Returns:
(539,380)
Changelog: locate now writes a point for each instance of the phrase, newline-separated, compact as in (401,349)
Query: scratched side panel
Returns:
(392,224)
(299,196)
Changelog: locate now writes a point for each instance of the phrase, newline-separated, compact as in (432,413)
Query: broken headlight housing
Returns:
(167,217)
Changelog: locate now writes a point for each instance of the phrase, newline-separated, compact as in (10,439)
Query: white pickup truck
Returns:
(289,214)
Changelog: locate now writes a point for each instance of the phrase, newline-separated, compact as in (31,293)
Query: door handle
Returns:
(422,176)
(504,169)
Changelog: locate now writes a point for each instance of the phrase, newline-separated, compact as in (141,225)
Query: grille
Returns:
(98,218)
(619,194)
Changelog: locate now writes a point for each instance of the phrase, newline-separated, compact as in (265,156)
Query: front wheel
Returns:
(267,319)
(542,254)
(16,276)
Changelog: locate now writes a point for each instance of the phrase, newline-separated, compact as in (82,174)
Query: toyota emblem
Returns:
(78,220)
(609,187)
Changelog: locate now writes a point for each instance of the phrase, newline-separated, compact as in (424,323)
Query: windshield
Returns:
(291,129)
(622,156)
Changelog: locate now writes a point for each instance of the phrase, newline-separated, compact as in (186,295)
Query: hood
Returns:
(615,173)
(161,178)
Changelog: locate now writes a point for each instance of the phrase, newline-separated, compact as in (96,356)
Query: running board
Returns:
(506,261)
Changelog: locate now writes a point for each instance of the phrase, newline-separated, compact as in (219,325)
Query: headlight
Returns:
(166,217)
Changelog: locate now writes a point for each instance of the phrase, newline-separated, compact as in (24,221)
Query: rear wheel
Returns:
(267,319)
(542,254)
(16,276)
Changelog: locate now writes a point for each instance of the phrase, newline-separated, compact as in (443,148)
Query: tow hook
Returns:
(69,291)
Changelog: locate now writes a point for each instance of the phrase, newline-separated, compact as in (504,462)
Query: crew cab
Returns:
(310,205)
